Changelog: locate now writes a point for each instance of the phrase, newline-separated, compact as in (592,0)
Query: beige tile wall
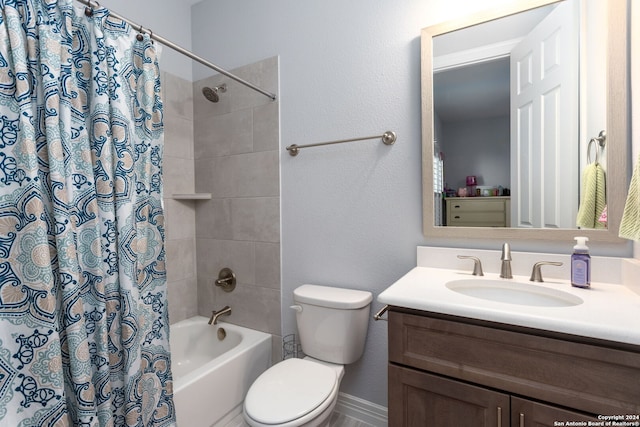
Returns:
(236,153)
(179,174)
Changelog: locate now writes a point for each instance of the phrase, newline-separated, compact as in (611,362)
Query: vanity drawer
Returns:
(495,219)
(476,205)
(586,376)
(477,212)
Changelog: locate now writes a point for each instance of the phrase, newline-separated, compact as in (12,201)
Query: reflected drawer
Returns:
(484,218)
(476,205)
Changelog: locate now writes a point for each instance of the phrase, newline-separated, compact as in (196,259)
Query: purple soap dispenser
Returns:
(581,264)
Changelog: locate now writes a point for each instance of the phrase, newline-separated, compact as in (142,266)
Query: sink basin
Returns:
(514,292)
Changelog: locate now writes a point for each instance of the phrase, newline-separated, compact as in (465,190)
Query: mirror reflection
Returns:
(515,102)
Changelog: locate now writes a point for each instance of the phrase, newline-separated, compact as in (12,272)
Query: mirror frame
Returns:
(618,132)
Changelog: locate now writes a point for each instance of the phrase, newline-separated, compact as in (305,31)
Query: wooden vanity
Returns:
(448,371)
(478,211)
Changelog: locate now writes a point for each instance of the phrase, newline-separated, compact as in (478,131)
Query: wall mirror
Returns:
(517,144)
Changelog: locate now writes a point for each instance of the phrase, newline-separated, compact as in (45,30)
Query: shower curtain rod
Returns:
(181,50)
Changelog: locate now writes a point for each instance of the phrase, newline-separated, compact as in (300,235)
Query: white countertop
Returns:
(609,311)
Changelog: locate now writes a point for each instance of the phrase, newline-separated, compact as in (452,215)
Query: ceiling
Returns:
(477,91)
(478,87)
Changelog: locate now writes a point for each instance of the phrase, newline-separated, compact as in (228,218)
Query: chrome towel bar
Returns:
(388,138)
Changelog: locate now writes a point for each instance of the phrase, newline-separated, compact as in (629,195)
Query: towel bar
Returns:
(388,138)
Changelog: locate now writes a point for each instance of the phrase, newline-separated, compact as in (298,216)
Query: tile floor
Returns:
(340,420)
(337,420)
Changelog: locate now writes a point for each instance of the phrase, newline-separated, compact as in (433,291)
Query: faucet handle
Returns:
(477,265)
(506,252)
(226,280)
(536,273)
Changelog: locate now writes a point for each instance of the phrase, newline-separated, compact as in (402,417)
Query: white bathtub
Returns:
(211,377)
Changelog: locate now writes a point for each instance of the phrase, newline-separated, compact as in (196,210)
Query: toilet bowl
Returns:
(294,392)
(332,325)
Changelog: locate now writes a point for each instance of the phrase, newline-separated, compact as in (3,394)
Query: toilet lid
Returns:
(289,390)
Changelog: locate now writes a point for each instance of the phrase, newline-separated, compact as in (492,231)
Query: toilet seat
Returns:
(291,392)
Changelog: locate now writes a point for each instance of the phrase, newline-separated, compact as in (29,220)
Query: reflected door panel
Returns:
(522,173)
(544,123)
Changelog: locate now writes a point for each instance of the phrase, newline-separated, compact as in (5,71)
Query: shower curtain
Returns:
(83,314)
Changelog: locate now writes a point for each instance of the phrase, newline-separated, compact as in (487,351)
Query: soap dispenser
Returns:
(581,264)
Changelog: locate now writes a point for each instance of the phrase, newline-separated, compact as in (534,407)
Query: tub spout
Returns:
(215,314)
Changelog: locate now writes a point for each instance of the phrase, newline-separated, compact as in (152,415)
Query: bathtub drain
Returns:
(221,333)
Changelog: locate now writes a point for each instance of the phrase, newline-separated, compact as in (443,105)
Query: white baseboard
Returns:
(362,410)
(351,406)
(233,419)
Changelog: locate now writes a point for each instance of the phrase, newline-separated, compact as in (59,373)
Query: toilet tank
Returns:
(332,322)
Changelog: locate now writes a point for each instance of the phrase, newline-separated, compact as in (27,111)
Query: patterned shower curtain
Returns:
(83,314)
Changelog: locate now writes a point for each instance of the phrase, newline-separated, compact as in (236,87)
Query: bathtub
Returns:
(210,376)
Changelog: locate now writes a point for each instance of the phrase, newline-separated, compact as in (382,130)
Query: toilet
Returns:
(332,327)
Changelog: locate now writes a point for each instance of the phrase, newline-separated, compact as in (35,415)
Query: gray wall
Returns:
(237,161)
(351,213)
(178,173)
(476,147)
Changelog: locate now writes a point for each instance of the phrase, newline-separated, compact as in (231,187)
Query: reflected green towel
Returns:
(594,197)
(630,224)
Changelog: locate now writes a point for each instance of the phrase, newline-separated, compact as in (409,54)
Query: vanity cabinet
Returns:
(417,398)
(478,211)
(451,371)
(527,413)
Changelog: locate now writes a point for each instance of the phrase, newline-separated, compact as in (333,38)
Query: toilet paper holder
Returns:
(380,313)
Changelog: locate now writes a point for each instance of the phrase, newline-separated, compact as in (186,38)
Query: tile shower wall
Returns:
(178,168)
(237,161)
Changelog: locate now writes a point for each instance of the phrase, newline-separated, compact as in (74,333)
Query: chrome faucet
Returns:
(215,314)
(477,265)
(536,272)
(505,270)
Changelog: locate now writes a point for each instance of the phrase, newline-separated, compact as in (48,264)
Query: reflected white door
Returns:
(544,123)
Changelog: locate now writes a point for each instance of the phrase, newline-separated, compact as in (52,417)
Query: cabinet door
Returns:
(526,413)
(418,399)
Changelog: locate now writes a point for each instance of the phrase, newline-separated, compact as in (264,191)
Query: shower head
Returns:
(212,93)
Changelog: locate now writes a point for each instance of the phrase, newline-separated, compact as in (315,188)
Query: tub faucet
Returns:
(215,314)
(505,270)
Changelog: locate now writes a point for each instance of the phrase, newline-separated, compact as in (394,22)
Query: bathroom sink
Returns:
(512,292)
